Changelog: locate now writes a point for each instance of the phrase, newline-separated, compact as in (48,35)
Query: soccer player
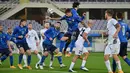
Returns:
(75,14)
(73,30)
(20,33)
(75,8)
(123,39)
(33,42)
(113,45)
(5,46)
(42,31)
(13,46)
(48,46)
(46,27)
(80,47)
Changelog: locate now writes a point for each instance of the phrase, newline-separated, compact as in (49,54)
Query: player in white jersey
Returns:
(80,47)
(113,45)
(33,42)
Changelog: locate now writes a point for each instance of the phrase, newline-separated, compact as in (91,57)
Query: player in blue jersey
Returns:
(20,33)
(4,45)
(74,9)
(123,39)
(73,30)
(12,40)
(51,34)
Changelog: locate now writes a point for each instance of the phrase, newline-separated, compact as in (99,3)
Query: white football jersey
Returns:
(111,30)
(42,32)
(80,39)
(32,37)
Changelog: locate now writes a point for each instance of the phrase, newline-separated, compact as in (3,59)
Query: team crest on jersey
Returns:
(71,21)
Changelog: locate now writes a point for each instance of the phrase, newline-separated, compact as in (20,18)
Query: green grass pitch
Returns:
(95,64)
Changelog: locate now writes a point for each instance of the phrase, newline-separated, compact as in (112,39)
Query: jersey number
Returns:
(123,30)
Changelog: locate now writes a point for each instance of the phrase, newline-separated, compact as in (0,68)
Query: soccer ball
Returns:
(50,10)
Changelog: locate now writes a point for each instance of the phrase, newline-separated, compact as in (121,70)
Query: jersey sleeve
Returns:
(63,18)
(74,12)
(60,35)
(36,35)
(114,22)
(79,19)
(83,17)
(127,28)
(87,30)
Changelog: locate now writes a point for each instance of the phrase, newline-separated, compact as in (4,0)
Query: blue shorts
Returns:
(23,45)
(4,51)
(72,35)
(50,48)
(123,49)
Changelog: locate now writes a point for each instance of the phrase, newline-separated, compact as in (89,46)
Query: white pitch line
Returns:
(34,70)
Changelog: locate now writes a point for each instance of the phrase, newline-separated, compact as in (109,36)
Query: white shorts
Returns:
(112,49)
(32,47)
(80,50)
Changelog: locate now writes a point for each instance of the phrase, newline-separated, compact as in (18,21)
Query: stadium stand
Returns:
(98,26)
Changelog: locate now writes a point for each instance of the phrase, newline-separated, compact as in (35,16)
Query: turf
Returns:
(95,64)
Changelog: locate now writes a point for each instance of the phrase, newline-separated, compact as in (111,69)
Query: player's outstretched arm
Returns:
(85,36)
(36,35)
(117,26)
(58,19)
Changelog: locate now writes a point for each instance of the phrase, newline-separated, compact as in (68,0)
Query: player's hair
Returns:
(110,12)
(75,4)
(68,10)
(22,20)
(119,15)
(59,22)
